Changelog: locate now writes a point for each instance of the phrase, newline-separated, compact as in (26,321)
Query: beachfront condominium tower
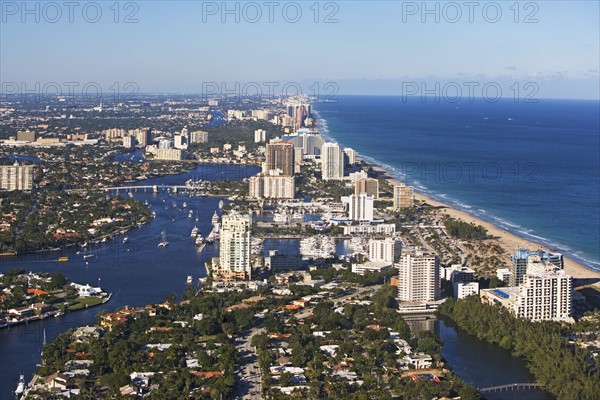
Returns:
(16,177)
(369,186)
(403,197)
(545,293)
(418,277)
(234,260)
(280,158)
(520,261)
(332,162)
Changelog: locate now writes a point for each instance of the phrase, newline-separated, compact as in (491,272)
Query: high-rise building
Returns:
(16,177)
(385,250)
(166,154)
(180,142)
(234,260)
(349,156)
(520,260)
(301,115)
(332,162)
(198,137)
(544,295)
(272,187)
(129,142)
(403,197)
(280,156)
(518,267)
(26,136)
(260,135)
(419,277)
(111,135)
(311,143)
(143,136)
(369,186)
(360,207)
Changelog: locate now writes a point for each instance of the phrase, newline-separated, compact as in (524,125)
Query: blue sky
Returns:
(375,47)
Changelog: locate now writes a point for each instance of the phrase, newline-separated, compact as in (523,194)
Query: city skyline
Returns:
(165,48)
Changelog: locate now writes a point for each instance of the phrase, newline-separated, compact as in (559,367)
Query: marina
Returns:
(137,272)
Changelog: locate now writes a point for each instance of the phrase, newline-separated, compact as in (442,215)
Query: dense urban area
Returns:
(309,324)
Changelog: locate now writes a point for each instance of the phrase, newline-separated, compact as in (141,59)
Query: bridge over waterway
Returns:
(510,387)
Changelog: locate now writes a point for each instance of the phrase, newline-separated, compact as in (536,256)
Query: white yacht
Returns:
(20,386)
(195,231)
(189,279)
(163,242)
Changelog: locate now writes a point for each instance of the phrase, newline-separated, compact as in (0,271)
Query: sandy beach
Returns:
(507,240)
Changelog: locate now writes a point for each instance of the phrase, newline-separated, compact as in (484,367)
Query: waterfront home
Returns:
(416,361)
(57,381)
(21,312)
(41,308)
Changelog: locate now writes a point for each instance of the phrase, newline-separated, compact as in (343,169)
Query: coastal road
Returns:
(248,383)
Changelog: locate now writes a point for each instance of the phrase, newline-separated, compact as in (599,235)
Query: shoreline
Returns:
(509,241)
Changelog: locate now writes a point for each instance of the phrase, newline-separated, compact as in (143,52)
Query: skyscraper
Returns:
(360,207)
(332,162)
(369,186)
(349,156)
(16,177)
(403,197)
(274,187)
(143,136)
(545,293)
(520,261)
(280,156)
(419,277)
(387,250)
(235,247)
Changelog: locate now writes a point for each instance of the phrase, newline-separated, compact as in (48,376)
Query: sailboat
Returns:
(88,254)
(163,242)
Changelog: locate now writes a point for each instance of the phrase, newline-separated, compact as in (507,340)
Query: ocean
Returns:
(532,169)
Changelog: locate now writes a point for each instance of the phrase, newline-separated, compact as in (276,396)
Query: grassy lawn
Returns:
(82,302)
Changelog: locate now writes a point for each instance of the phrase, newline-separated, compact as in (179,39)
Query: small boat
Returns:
(103,240)
(63,259)
(87,256)
(199,240)
(189,279)
(163,242)
(184,205)
(20,386)
(221,204)
(125,239)
(190,214)
(195,231)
